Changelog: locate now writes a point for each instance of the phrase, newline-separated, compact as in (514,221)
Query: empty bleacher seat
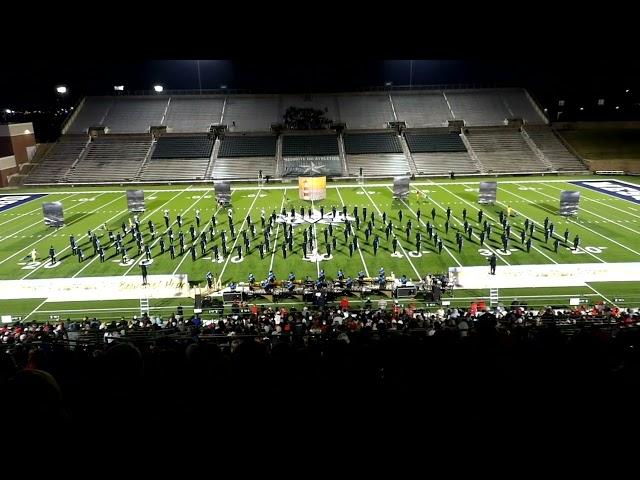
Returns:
(504,150)
(59,159)
(360,143)
(243,167)
(193,114)
(197,146)
(436,142)
(135,114)
(91,114)
(365,111)
(111,158)
(384,165)
(303,145)
(248,146)
(428,109)
(251,114)
(553,149)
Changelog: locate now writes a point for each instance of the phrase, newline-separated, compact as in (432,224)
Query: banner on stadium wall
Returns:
(329,166)
(312,188)
(223,192)
(488,192)
(135,200)
(569,202)
(53,214)
(401,186)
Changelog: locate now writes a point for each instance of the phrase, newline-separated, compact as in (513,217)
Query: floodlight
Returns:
(617,107)
(118,88)
(61,89)
(8,110)
(581,108)
(158,88)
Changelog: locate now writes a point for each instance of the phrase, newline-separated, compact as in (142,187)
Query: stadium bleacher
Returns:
(59,159)
(427,109)
(135,114)
(553,149)
(309,145)
(503,150)
(251,114)
(187,146)
(439,152)
(364,143)
(248,146)
(111,158)
(193,114)
(367,141)
(365,111)
(91,114)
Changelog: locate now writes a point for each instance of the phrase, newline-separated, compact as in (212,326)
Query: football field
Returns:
(608,226)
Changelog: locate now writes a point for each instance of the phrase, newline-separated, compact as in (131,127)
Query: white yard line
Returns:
(34,210)
(475,234)
(591,288)
(54,231)
(425,225)
(591,230)
(224,267)
(184,256)
(143,219)
(375,205)
(555,234)
(596,215)
(275,242)
(315,236)
(493,219)
(364,264)
(349,185)
(45,261)
(626,212)
(35,310)
(32,225)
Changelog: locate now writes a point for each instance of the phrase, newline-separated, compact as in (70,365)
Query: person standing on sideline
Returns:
(209,279)
(143,267)
(492,264)
(34,255)
(52,254)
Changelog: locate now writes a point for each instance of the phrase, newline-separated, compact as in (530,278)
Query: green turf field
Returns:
(607,227)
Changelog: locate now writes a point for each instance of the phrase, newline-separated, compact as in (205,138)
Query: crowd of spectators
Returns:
(314,358)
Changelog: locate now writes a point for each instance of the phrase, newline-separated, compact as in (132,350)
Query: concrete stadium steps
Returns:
(503,150)
(243,167)
(167,169)
(193,114)
(111,159)
(91,114)
(135,114)
(552,148)
(478,108)
(53,167)
(365,111)
(251,114)
(443,162)
(378,164)
(519,105)
(427,109)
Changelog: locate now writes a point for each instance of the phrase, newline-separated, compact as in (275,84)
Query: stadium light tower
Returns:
(158,88)
(61,89)
(118,88)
